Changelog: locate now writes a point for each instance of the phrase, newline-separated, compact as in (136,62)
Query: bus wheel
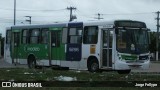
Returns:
(124,71)
(93,66)
(31,62)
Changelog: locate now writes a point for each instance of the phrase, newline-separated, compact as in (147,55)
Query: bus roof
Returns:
(86,23)
(40,26)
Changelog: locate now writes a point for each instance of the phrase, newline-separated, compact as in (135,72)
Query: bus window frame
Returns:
(41,35)
(64,35)
(76,34)
(86,36)
(38,37)
(27,36)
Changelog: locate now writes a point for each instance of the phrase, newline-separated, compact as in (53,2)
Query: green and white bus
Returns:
(120,45)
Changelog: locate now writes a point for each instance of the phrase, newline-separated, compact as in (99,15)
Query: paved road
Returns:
(154,67)
(4,64)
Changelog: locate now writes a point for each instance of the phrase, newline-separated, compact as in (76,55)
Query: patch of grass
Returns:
(19,74)
(24,74)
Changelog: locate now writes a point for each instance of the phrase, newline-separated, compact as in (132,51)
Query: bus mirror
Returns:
(116,31)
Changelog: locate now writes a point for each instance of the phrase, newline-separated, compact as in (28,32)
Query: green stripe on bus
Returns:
(55,28)
(15,30)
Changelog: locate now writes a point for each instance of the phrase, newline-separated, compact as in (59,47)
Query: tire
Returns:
(93,65)
(124,71)
(31,62)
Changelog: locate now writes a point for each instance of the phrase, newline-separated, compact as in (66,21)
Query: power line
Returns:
(83,14)
(99,16)
(47,10)
(128,13)
(70,2)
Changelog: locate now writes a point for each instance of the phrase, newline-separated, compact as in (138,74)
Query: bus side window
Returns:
(75,35)
(64,35)
(90,35)
(44,38)
(25,36)
(8,37)
(35,36)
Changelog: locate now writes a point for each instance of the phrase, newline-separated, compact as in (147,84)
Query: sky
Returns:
(51,11)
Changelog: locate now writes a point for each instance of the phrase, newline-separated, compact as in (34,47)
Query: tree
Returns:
(152,45)
(2,46)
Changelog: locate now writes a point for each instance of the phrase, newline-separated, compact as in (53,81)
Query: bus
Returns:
(120,45)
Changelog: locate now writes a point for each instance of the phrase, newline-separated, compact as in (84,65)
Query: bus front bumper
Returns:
(121,65)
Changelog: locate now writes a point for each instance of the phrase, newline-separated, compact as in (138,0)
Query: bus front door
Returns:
(15,46)
(107,36)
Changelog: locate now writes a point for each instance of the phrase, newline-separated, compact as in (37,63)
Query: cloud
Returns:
(86,10)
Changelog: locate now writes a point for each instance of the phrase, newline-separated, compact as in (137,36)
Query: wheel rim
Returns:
(32,64)
(94,66)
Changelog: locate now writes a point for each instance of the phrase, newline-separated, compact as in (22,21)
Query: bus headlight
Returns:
(146,57)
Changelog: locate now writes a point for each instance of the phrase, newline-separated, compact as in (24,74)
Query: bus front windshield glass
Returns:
(134,41)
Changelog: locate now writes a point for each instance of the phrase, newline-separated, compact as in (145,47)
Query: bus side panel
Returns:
(74,52)
(7,53)
(58,53)
(40,51)
(7,47)
(74,48)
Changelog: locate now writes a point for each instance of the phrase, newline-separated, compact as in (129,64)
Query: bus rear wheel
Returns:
(31,62)
(93,66)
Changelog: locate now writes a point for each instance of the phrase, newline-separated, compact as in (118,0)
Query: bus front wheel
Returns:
(93,65)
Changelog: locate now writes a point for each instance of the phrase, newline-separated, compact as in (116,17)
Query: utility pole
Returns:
(71,16)
(29,19)
(14,12)
(99,16)
(157,38)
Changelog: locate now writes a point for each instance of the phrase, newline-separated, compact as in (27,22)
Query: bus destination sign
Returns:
(134,24)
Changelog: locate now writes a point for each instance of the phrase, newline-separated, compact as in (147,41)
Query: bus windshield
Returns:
(134,41)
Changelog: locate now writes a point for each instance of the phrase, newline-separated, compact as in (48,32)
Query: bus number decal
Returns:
(74,52)
(33,49)
(71,49)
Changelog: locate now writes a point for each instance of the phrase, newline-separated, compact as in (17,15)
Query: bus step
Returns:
(106,68)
